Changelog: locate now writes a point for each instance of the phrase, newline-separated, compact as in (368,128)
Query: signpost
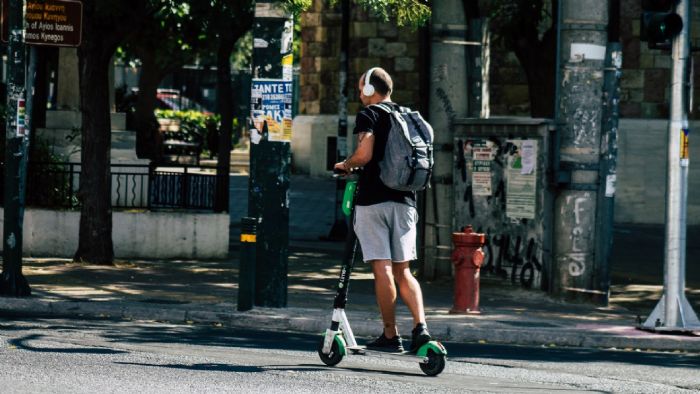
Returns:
(270,153)
(50,22)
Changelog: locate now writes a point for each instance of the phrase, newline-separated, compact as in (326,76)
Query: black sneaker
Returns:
(419,337)
(385,344)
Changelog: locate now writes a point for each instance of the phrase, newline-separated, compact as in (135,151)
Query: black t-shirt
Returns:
(371,189)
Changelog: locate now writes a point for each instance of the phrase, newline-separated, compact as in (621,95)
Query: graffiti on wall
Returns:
(496,185)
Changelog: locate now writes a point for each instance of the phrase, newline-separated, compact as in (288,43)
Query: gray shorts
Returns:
(386,231)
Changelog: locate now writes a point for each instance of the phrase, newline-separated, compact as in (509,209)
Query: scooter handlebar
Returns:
(340,173)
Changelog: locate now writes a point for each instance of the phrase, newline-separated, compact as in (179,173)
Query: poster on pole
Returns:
(521,179)
(271,108)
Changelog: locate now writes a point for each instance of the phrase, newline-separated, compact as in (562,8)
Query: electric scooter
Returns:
(339,341)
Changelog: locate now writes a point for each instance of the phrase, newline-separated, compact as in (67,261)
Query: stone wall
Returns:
(646,74)
(372,43)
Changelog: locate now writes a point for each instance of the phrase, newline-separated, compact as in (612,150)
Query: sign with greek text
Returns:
(271,106)
(49,22)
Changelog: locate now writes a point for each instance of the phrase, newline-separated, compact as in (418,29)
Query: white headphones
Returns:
(368,89)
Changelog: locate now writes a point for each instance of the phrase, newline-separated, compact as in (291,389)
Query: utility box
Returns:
(502,187)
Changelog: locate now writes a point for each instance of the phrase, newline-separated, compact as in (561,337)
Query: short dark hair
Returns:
(381,80)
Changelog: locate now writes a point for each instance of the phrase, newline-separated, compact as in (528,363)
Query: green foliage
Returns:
(516,18)
(195,126)
(49,184)
(414,13)
(243,52)
(296,6)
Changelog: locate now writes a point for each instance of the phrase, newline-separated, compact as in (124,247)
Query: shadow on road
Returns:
(22,343)
(467,352)
(464,352)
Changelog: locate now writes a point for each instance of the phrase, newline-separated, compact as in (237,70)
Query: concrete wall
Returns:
(152,235)
(641,175)
(309,142)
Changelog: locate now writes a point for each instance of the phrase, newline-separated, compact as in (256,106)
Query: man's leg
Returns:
(410,291)
(385,290)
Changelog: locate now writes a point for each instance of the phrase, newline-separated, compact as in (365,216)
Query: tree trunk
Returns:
(95,239)
(105,26)
(224,98)
(38,115)
(146,124)
(538,61)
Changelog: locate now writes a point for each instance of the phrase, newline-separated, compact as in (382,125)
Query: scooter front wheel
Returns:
(435,364)
(334,357)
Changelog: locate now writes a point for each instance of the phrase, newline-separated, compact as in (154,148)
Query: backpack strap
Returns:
(418,127)
(383,107)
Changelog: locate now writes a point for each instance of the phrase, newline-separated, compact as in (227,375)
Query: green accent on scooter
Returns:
(341,344)
(348,197)
(435,346)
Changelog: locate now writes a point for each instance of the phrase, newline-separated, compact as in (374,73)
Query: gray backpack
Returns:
(408,157)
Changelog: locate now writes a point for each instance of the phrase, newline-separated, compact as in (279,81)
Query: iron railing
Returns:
(133,186)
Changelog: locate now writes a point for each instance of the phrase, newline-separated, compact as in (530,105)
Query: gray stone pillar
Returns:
(448,100)
(68,93)
(582,54)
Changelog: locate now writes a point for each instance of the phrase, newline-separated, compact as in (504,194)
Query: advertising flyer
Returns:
(271,104)
(482,154)
(521,180)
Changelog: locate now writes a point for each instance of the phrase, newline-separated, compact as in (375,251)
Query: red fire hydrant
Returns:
(467,258)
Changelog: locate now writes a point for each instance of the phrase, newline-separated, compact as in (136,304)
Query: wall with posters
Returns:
(501,189)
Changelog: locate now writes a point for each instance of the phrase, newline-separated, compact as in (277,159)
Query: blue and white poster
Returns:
(271,104)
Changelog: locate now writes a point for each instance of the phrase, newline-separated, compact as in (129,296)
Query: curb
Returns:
(363,324)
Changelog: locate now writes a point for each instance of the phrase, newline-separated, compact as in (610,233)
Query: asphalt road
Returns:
(74,356)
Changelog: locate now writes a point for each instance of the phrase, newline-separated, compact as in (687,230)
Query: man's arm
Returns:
(362,154)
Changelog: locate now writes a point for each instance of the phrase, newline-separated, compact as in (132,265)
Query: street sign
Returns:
(49,22)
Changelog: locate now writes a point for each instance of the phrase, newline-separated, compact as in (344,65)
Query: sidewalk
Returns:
(206,292)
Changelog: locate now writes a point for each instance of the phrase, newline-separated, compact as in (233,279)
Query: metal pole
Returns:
(339,230)
(673,312)
(13,283)
(268,188)
(607,173)
(246,268)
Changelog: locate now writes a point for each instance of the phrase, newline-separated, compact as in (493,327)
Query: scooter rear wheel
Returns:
(334,357)
(435,364)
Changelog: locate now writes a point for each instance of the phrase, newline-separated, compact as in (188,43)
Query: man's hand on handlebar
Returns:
(342,169)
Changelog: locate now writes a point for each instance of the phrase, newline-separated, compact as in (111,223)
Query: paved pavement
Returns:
(206,291)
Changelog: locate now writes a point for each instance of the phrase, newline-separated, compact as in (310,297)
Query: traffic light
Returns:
(659,23)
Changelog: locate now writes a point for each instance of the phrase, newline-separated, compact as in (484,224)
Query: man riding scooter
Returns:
(385,219)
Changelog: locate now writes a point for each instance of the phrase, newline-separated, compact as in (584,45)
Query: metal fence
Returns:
(133,186)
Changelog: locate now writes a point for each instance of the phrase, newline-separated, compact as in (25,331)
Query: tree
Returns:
(105,25)
(167,41)
(519,27)
(228,34)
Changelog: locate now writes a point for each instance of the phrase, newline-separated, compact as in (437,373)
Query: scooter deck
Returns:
(362,350)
